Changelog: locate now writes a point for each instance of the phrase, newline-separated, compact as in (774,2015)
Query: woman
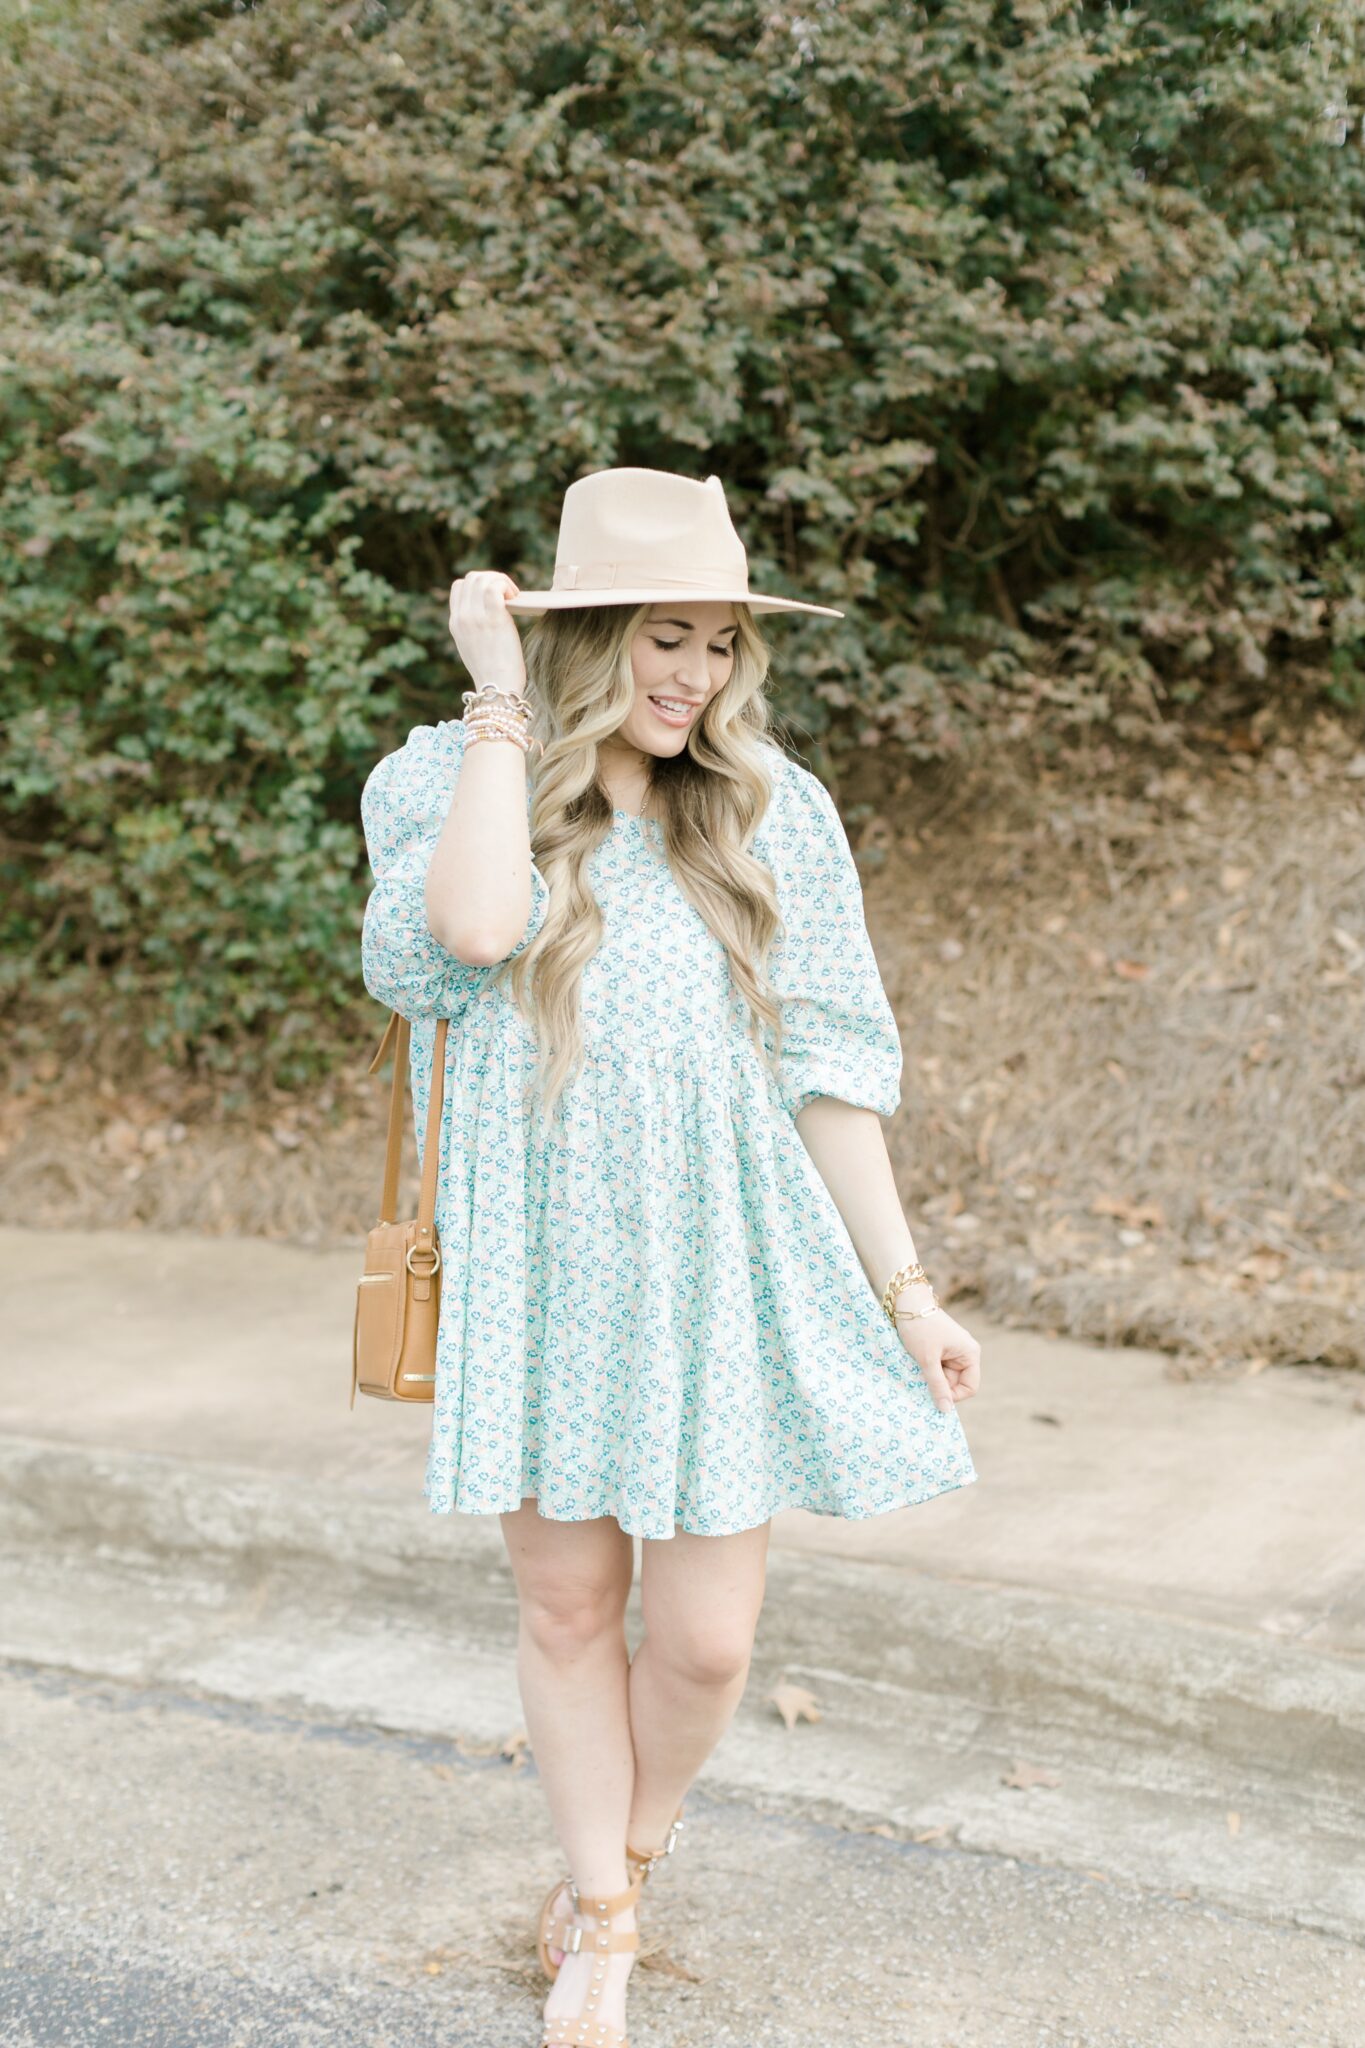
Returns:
(679,1291)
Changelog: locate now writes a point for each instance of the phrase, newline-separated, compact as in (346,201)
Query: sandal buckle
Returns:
(573,1940)
(647,1863)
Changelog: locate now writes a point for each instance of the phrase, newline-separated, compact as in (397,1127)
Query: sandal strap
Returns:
(556,1930)
(581,1940)
(564,2031)
(649,1857)
(607,1902)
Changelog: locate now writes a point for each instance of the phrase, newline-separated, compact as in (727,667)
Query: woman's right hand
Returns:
(484,631)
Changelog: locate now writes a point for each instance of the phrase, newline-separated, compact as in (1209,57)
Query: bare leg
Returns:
(573,1581)
(701,1597)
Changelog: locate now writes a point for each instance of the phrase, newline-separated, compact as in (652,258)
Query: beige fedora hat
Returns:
(637,536)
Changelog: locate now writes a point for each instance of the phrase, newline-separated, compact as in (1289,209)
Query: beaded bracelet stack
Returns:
(493,714)
(903,1278)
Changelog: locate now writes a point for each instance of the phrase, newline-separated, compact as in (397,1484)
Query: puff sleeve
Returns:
(839,1031)
(403,808)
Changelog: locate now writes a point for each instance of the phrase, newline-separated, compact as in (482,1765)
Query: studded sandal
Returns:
(600,1938)
(556,1918)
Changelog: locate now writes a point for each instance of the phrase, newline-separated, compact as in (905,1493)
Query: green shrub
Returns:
(1029,334)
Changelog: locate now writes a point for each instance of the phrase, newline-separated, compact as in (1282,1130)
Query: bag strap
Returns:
(400,1032)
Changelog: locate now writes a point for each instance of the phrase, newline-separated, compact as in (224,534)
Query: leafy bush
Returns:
(1028,333)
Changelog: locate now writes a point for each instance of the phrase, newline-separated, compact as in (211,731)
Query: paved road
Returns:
(183,1872)
(252,1695)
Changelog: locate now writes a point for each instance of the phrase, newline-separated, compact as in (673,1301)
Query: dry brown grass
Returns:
(1132,994)
(1132,997)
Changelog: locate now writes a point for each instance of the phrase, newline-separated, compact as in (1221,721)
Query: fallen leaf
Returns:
(931,1834)
(1100,1876)
(121,1139)
(1127,1211)
(1025,1774)
(443,1770)
(1234,1823)
(1263,1262)
(515,1747)
(875,833)
(794,1703)
(1132,970)
(667,1965)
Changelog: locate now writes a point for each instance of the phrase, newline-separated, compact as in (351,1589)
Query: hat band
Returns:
(644,575)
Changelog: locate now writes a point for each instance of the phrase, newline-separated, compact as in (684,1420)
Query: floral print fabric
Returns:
(653,1310)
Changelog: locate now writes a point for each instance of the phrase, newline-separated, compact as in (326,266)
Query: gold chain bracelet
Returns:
(913,1270)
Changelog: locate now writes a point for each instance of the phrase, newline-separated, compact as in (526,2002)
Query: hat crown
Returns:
(638,536)
(619,526)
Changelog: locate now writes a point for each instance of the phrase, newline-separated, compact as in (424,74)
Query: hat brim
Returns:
(529,603)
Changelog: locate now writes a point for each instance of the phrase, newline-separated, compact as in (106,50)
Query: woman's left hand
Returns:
(947,1355)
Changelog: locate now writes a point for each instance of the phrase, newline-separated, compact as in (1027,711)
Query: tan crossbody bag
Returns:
(398,1296)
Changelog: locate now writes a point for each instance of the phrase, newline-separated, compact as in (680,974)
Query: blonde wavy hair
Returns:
(711,798)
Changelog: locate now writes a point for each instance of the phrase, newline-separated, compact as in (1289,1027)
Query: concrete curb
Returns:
(930,1690)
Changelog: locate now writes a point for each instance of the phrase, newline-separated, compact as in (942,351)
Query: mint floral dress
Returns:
(653,1310)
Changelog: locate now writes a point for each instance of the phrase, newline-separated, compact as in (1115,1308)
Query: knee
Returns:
(715,1654)
(563,1616)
